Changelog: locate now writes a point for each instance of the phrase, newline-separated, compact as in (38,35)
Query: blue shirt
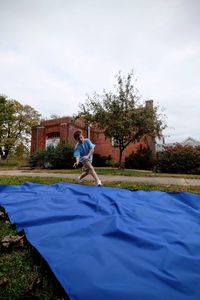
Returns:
(82,149)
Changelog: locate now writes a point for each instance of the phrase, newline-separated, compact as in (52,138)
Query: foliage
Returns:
(141,159)
(16,121)
(20,151)
(102,161)
(54,116)
(59,157)
(121,115)
(179,159)
(37,159)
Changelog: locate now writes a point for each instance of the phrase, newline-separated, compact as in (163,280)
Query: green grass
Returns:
(22,265)
(11,180)
(17,267)
(13,164)
(120,172)
(7,229)
(9,164)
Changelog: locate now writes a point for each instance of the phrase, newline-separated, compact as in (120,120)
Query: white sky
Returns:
(53,52)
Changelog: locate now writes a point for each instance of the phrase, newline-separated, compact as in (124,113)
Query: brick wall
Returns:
(38,138)
(104,146)
(65,127)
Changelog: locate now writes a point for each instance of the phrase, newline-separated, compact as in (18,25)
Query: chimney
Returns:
(149,103)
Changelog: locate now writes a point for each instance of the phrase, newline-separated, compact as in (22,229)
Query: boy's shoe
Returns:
(78,180)
(99,184)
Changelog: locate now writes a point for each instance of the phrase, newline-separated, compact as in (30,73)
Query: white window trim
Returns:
(115,143)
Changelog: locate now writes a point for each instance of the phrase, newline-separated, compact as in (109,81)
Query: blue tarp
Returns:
(109,243)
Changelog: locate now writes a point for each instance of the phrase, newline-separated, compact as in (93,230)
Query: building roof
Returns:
(187,142)
(190,141)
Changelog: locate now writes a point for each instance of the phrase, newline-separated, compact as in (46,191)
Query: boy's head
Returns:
(78,136)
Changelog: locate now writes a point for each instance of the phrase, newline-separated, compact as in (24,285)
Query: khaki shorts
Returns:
(86,165)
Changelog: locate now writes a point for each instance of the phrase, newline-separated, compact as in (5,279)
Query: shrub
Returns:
(102,161)
(60,157)
(37,159)
(141,159)
(179,159)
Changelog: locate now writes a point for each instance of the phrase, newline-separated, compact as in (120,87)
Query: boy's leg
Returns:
(84,174)
(92,172)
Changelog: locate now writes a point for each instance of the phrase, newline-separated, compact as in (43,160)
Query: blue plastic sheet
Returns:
(107,243)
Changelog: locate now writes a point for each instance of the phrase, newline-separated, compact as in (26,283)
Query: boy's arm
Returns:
(91,147)
(77,156)
(77,162)
(89,153)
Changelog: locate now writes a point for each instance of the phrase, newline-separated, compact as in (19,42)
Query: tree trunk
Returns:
(6,152)
(120,158)
(1,153)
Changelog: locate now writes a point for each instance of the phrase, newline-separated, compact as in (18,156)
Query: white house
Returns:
(187,142)
(190,142)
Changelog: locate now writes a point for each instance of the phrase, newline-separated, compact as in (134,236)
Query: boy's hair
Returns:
(77,134)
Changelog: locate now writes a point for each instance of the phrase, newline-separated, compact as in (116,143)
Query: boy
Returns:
(83,152)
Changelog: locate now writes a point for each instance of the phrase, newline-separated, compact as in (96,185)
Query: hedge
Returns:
(179,159)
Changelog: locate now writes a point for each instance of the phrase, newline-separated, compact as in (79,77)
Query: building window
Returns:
(53,139)
(53,135)
(115,142)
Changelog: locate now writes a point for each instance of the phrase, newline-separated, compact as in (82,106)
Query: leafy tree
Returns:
(2,117)
(54,116)
(20,151)
(121,115)
(16,121)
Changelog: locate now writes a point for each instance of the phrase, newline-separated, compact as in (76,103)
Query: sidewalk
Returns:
(151,180)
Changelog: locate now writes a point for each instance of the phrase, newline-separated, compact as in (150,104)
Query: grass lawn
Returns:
(13,164)
(23,273)
(121,172)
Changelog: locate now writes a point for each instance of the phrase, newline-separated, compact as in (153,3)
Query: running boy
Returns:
(83,152)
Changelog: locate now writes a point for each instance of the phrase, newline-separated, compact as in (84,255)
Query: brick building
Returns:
(51,132)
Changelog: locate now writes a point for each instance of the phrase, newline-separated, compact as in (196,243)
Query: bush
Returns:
(102,161)
(37,159)
(179,159)
(141,159)
(60,157)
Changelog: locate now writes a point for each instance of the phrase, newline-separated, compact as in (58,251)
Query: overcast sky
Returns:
(54,52)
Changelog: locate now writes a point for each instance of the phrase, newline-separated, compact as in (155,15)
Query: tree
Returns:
(54,116)
(121,115)
(21,151)
(16,121)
